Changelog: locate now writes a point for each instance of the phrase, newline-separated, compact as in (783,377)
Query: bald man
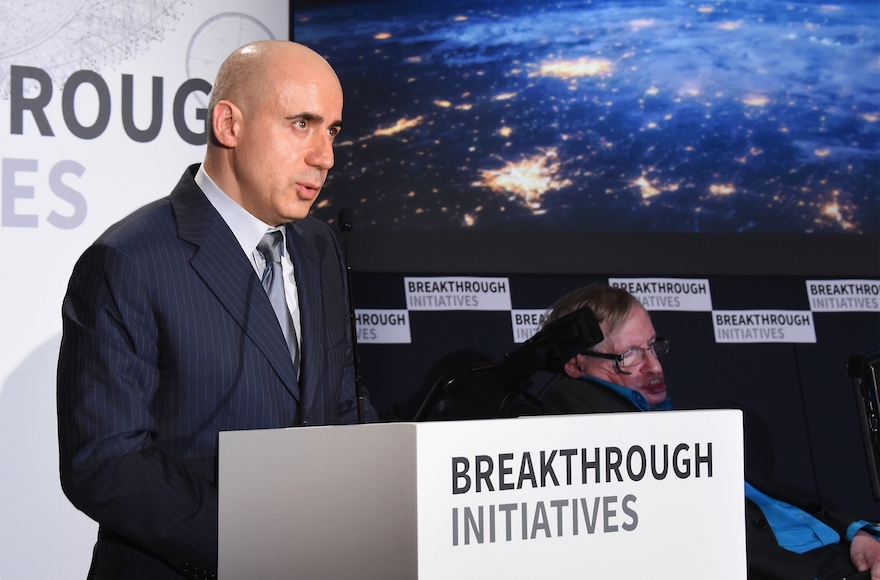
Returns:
(169,333)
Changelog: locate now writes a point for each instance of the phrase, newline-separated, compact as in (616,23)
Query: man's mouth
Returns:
(656,386)
(309,189)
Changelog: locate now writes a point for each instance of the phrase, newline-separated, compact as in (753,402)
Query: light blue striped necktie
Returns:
(272,248)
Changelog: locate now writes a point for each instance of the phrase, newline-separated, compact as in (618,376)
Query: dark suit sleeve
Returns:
(108,376)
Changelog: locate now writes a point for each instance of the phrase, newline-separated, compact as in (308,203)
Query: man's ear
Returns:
(572,369)
(225,123)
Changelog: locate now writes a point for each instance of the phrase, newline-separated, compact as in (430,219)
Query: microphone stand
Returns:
(345,224)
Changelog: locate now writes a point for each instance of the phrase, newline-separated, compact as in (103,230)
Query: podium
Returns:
(624,495)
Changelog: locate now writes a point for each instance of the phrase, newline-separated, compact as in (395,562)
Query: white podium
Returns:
(625,495)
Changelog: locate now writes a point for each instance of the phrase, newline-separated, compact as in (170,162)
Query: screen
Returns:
(525,128)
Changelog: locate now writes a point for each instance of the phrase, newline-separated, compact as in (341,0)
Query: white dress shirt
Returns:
(249,230)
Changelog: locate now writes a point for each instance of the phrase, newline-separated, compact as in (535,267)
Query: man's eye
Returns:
(333,131)
(301,123)
(630,356)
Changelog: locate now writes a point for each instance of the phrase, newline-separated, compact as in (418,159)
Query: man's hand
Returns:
(864,551)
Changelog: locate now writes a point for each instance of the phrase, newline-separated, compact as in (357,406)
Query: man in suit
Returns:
(623,373)
(169,336)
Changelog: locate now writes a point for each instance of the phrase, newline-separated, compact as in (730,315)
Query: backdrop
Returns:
(775,347)
(101,109)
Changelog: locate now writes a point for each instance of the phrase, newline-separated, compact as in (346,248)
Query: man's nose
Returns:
(652,363)
(320,152)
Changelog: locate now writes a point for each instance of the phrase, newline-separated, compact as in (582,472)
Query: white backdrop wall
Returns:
(70,166)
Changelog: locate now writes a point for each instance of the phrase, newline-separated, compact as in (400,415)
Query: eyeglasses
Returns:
(633,356)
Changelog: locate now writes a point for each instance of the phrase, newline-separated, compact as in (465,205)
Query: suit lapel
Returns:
(226,271)
(308,284)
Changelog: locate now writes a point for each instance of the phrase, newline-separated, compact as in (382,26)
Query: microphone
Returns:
(346,217)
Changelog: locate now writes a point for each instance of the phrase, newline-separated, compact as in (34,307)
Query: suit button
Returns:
(761,524)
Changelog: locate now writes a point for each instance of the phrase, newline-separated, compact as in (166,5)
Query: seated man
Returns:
(623,373)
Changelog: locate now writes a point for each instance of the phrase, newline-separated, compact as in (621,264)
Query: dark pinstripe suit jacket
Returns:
(169,339)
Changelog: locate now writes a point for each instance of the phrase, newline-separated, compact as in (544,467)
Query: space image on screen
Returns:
(674,125)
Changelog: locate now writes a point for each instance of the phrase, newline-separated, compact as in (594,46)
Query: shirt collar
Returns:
(246,228)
